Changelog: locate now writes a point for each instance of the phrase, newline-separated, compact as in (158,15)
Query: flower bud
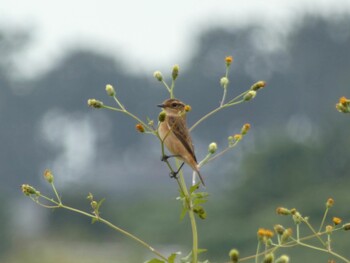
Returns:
(245,129)
(175,71)
(228,60)
(110,90)
(343,105)
(258,85)
(249,95)
(188,108)
(336,220)
(329,229)
(346,226)
(139,127)
(90,197)
(282,211)
(161,116)
(48,176)
(237,137)
(279,229)
(269,258)
(158,75)
(234,255)
(282,259)
(95,103)
(224,82)
(231,141)
(93,204)
(286,234)
(330,202)
(297,218)
(28,190)
(212,148)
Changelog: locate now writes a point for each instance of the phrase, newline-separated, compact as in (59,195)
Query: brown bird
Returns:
(175,134)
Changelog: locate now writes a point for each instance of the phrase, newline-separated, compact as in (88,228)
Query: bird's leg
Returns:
(166,157)
(174,174)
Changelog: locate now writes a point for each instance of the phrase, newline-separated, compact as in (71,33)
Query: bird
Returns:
(175,135)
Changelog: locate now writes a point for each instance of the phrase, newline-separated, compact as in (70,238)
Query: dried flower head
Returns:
(48,176)
(245,129)
(282,211)
(139,127)
(330,202)
(258,85)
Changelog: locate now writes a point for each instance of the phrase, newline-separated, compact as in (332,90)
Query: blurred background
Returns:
(56,55)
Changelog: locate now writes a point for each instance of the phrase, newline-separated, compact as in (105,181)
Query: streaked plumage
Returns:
(174,132)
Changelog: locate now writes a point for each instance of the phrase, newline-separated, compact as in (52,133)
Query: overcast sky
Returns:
(143,35)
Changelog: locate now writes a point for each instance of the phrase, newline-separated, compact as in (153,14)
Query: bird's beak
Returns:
(161,105)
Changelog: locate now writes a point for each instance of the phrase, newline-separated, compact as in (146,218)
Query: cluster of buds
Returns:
(253,90)
(237,137)
(343,105)
(200,212)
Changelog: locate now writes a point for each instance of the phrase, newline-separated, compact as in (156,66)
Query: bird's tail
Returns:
(200,177)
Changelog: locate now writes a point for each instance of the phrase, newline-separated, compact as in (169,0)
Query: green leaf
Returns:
(155,260)
(194,188)
(183,213)
(172,257)
(100,203)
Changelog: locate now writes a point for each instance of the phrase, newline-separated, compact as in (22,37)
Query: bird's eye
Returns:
(174,105)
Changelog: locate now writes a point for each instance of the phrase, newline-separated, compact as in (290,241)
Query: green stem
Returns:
(132,116)
(56,193)
(257,252)
(323,219)
(104,221)
(206,116)
(223,97)
(171,91)
(192,219)
(314,231)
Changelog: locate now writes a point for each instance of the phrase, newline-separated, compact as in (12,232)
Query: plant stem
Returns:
(206,116)
(323,219)
(192,217)
(104,221)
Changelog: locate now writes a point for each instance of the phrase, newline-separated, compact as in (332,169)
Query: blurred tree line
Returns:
(296,154)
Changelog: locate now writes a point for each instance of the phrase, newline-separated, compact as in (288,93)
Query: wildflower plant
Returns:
(191,196)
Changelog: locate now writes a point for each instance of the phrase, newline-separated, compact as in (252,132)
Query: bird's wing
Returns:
(178,126)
